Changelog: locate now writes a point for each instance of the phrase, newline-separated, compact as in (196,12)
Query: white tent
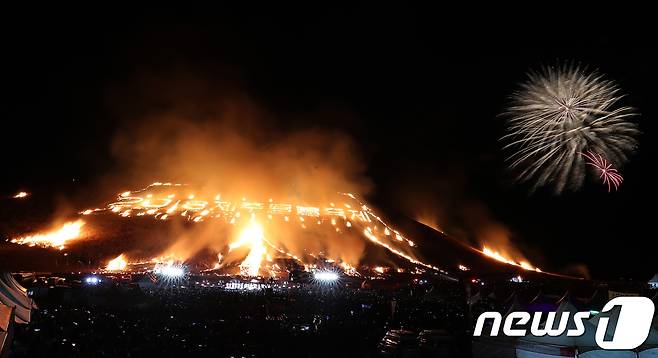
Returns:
(12,294)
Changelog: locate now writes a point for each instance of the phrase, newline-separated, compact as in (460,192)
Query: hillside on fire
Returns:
(165,222)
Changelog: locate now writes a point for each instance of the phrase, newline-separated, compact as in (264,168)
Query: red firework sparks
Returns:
(607,173)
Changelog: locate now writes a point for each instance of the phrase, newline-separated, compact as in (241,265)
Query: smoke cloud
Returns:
(231,154)
(223,142)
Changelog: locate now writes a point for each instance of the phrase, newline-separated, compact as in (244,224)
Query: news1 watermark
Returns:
(631,330)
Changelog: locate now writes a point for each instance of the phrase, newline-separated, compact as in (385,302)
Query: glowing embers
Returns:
(119,263)
(502,258)
(56,238)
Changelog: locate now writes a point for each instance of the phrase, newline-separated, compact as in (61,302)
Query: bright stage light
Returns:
(173,271)
(326,276)
(92,280)
(170,270)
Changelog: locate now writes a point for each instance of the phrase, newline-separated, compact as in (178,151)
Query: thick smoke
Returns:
(227,144)
(232,156)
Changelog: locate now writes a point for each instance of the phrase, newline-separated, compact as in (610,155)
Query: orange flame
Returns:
(58,238)
(503,258)
(119,263)
(251,236)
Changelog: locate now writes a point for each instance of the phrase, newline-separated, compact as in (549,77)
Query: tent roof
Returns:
(654,279)
(11,282)
(5,317)
(12,295)
(18,297)
(3,338)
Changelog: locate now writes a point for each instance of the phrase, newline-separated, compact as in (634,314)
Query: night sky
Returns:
(420,96)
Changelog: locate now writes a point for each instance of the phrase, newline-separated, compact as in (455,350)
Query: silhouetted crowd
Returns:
(205,321)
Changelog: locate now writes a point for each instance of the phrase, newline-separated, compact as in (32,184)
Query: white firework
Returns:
(559,113)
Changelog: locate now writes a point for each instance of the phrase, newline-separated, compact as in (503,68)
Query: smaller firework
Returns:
(607,173)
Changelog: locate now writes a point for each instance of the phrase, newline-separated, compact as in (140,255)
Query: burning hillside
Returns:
(260,195)
(56,238)
(166,224)
(263,230)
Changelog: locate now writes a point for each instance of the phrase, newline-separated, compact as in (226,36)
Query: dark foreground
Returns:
(314,321)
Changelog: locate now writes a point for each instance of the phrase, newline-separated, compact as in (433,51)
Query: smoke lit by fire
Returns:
(449,209)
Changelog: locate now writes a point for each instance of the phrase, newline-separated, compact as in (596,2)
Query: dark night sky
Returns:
(420,97)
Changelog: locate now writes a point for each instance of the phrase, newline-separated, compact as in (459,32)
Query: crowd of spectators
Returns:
(310,321)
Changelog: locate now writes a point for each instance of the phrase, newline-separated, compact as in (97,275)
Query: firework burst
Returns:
(607,173)
(559,113)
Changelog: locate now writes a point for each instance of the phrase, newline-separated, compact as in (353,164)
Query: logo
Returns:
(630,331)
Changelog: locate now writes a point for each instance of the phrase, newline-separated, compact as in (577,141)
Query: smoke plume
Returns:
(222,142)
